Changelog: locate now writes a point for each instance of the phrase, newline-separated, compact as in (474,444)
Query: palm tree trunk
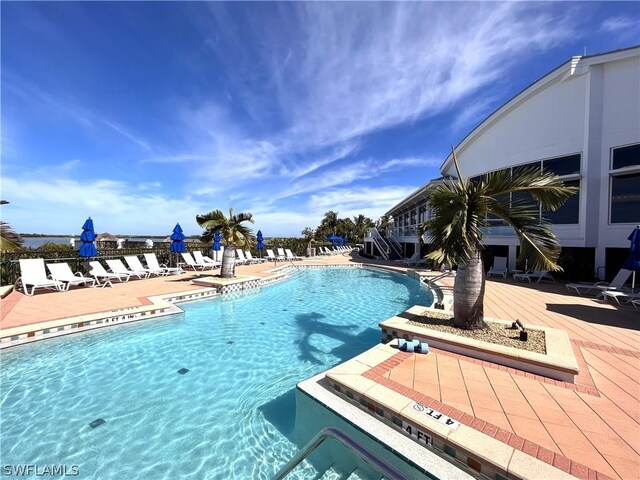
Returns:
(468,295)
(227,268)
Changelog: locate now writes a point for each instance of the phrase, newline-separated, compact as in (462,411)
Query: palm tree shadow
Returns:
(601,316)
(351,343)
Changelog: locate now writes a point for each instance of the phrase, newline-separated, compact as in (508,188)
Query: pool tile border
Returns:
(483,447)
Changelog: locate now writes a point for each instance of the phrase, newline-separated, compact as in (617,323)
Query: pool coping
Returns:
(473,448)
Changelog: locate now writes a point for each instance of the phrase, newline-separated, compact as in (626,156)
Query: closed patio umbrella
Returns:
(216,246)
(177,240)
(88,249)
(260,244)
(633,260)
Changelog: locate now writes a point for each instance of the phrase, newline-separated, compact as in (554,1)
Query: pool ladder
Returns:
(379,465)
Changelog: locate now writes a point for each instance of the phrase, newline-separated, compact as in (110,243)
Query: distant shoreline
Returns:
(40,235)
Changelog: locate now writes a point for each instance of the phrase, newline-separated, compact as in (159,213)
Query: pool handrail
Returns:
(379,465)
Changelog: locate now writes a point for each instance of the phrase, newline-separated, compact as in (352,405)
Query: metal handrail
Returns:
(386,470)
(377,241)
(395,244)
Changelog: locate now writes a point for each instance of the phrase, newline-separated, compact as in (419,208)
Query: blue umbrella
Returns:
(88,236)
(633,260)
(216,244)
(335,239)
(177,240)
(260,244)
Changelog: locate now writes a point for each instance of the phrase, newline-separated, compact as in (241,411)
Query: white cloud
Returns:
(621,22)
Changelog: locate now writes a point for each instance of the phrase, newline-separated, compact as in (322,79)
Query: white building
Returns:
(581,121)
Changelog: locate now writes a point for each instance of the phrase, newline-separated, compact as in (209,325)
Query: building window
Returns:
(625,184)
(569,213)
(569,165)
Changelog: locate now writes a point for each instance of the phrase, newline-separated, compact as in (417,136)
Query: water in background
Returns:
(35,242)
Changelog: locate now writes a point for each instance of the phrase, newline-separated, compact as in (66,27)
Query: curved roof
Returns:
(575,66)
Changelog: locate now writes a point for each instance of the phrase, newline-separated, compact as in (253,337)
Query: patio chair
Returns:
(203,259)
(136,265)
(616,284)
(323,251)
(152,263)
(116,266)
(413,258)
(499,267)
(62,273)
(97,271)
(33,274)
(290,256)
(271,256)
(537,276)
(240,258)
(281,254)
(252,259)
(190,262)
(620,297)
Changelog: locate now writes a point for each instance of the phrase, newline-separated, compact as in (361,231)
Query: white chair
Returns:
(413,258)
(190,262)
(152,263)
(499,267)
(322,251)
(616,284)
(136,266)
(33,274)
(241,259)
(116,266)
(97,271)
(620,297)
(203,259)
(281,254)
(290,256)
(271,256)
(252,259)
(62,273)
(537,276)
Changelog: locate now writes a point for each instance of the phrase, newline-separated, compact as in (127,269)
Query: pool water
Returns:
(230,416)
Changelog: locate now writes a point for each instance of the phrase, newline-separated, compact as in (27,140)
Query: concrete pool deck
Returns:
(590,431)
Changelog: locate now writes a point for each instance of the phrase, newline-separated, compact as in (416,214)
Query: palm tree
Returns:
(328,225)
(362,223)
(233,233)
(461,210)
(9,240)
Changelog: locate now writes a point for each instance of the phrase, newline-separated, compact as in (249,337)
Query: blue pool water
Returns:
(231,416)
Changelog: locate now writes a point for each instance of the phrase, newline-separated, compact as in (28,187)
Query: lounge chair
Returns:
(136,266)
(33,274)
(62,273)
(323,251)
(499,267)
(97,271)
(413,258)
(620,297)
(537,276)
(252,259)
(152,262)
(203,259)
(190,262)
(290,256)
(116,266)
(616,284)
(271,256)
(281,254)
(240,258)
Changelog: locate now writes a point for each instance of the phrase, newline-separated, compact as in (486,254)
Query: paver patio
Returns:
(595,423)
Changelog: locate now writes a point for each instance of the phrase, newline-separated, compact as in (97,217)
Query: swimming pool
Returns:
(230,416)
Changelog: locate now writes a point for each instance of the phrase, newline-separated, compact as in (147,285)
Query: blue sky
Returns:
(144,114)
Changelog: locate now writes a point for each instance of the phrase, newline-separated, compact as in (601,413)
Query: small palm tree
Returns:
(233,233)
(461,210)
(9,240)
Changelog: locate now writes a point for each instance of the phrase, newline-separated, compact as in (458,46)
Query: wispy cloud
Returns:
(620,22)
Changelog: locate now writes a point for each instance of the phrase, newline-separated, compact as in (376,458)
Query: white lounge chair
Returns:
(271,256)
(136,266)
(290,256)
(152,262)
(190,262)
(62,273)
(240,258)
(33,274)
(616,284)
(620,297)
(537,276)
(499,267)
(97,271)
(322,251)
(203,259)
(413,258)
(116,266)
(281,254)
(252,259)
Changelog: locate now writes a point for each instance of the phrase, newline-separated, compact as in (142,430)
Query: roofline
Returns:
(568,67)
(423,189)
